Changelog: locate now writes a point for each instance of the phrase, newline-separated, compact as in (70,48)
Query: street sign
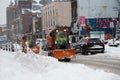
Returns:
(82,20)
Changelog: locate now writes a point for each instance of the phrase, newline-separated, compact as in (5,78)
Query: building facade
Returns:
(97,15)
(18,22)
(21,19)
(74,16)
(97,9)
(13,21)
(74,10)
(56,14)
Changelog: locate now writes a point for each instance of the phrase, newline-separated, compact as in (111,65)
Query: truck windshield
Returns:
(31,40)
(61,40)
(93,40)
(61,34)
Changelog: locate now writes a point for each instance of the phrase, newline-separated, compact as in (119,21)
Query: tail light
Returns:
(101,44)
(86,44)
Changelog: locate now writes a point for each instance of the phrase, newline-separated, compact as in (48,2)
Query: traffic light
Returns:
(3,29)
(13,27)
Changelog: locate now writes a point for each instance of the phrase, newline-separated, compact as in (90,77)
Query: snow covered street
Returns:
(108,64)
(109,61)
(59,39)
(19,66)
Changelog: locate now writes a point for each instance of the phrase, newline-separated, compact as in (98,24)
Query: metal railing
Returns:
(8,46)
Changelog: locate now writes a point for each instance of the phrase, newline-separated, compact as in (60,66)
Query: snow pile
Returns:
(19,66)
(111,51)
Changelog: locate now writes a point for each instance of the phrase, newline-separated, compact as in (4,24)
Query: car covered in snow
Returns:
(114,42)
(89,45)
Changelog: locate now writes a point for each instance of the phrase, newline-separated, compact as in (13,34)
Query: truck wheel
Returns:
(67,59)
(50,54)
(116,45)
(60,60)
(103,51)
(84,53)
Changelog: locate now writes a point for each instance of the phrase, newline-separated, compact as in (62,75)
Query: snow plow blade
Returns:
(36,49)
(67,53)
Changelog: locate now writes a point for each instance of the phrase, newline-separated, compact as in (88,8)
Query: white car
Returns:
(114,42)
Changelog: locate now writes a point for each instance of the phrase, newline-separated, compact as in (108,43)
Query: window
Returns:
(61,40)
(94,40)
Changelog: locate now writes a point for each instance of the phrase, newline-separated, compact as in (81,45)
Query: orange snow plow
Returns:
(59,46)
(61,54)
(29,43)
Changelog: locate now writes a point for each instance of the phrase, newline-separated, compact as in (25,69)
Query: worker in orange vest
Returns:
(49,39)
(23,44)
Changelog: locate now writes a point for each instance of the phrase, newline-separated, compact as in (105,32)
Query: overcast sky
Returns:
(3,5)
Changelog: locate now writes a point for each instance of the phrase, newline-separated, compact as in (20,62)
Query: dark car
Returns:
(89,45)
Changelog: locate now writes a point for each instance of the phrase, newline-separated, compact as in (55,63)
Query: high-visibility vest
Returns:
(61,40)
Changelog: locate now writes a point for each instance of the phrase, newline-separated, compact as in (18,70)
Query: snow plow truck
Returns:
(59,44)
(29,43)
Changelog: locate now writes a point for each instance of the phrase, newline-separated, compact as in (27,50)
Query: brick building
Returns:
(19,19)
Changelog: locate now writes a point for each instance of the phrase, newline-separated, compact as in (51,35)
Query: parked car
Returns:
(114,42)
(89,45)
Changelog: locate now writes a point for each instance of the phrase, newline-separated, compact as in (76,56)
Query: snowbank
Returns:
(19,66)
(111,52)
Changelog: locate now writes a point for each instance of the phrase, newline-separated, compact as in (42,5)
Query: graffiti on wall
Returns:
(108,25)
